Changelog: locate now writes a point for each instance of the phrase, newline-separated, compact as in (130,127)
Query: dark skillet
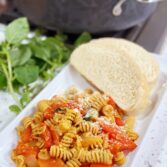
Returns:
(75,16)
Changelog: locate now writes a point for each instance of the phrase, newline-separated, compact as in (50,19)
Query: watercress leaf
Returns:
(3,81)
(83,38)
(53,42)
(26,74)
(42,53)
(17,30)
(20,55)
(25,98)
(31,61)
(14,108)
(66,54)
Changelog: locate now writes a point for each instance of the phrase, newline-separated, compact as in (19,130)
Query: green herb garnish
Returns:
(24,60)
(87,118)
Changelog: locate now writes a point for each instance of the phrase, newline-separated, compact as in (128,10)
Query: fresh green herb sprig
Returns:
(24,60)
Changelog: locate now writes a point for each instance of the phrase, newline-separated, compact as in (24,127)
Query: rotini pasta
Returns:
(49,122)
(27,121)
(108,110)
(60,152)
(88,127)
(57,118)
(75,129)
(73,163)
(38,117)
(42,105)
(39,142)
(78,119)
(68,138)
(95,156)
(19,160)
(97,101)
(132,135)
(120,158)
(38,129)
(70,115)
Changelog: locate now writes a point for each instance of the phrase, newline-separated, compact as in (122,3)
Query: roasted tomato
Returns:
(26,135)
(51,163)
(117,134)
(24,149)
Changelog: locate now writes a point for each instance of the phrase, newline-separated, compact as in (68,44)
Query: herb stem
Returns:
(9,66)
(10,86)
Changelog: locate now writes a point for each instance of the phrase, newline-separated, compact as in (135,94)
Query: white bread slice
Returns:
(114,74)
(146,62)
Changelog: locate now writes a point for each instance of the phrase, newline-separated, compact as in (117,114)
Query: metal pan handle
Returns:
(149,1)
(117,10)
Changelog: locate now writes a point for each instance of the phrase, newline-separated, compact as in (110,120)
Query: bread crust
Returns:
(146,62)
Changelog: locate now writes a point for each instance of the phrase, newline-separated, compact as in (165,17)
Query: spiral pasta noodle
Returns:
(19,160)
(49,122)
(60,152)
(97,145)
(37,129)
(27,121)
(73,163)
(108,110)
(57,118)
(78,119)
(70,115)
(97,101)
(105,142)
(78,144)
(67,139)
(88,127)
(132,135)
(120,158)
(95,156)
(38,117)
(39,142)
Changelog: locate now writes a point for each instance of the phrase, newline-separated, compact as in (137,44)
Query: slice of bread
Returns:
(146,62)
(113,73)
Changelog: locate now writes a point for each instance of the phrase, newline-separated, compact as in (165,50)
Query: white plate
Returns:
(68,76)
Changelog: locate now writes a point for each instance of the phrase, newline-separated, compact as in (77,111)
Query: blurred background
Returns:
(142,22)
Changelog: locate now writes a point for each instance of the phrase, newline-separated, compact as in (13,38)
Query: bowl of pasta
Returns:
(69,126)
(79,128)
